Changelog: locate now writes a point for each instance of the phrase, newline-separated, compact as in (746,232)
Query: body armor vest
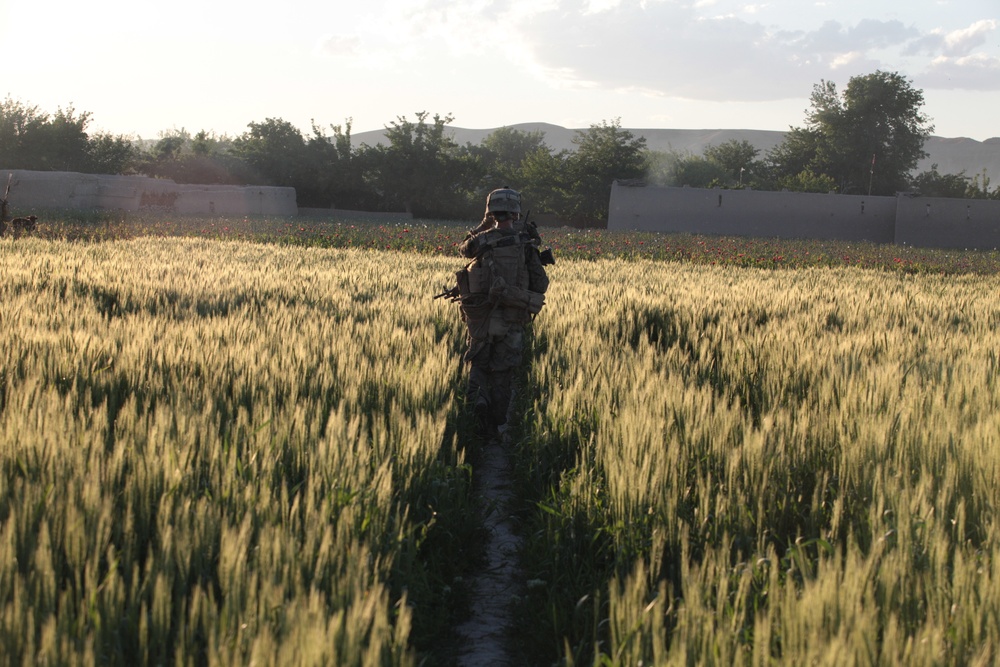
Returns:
(498,272)
(503,258)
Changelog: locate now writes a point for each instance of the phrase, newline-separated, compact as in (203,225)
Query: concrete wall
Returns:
(916,221)
(32,190)
(752,213)
(936,222)
(230,199)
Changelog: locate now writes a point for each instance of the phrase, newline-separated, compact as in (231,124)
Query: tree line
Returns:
(866,140)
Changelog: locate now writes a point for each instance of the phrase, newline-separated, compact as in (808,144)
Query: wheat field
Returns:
(223,452)
(766,467)
(219,449)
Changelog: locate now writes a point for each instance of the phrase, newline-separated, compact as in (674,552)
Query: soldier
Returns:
(501,290)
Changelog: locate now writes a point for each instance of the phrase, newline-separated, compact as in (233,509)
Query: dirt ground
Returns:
(483,636)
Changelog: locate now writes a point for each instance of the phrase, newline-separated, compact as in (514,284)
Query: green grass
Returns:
(755,467)
(226,442)
(226,452)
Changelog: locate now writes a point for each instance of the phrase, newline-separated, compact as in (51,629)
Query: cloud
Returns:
(406,32)
(956,61)
(341,45)
(955,43)
(698,50)
(712,50)
(962,42)
(867,34)
(676,50)
(846,60)
(598,6)
(974,72)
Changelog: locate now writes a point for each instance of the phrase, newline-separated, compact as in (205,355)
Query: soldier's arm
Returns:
(470,246)
(538,280)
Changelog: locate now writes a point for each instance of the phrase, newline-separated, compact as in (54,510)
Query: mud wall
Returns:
(752,213)
(937,222)
(904,219)
(33,190)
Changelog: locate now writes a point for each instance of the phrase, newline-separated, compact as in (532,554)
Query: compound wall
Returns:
(904,219)
(752,213)
(936,222)
(33,190)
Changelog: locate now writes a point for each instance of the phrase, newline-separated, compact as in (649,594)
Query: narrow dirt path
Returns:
(483,636)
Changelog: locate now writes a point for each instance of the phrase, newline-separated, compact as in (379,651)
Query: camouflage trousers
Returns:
(493,362)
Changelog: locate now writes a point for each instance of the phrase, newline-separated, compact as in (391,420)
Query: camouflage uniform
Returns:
(502,290)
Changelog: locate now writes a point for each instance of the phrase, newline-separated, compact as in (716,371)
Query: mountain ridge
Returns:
(952,155)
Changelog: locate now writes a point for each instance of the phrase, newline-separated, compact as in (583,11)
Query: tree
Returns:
(274,149)
(169,146)
(604,153)
(730,164)
(17,121)
(931,183)
(203,158)
(661,166)
(807,181)
(204,144)
(421,170)
(793,156)
(979,187)
(335,174)
(737,157)
(544,181)
(111,154)
(699,172)
(881,113)
(504,151)
(32,139)
(868,140)
(61,143)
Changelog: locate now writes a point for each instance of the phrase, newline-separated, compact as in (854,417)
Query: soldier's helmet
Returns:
(503,200)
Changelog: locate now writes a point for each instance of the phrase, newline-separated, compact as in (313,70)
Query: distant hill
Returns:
(952,155)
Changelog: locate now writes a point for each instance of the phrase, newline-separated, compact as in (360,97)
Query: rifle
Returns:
(532,229)
(452,294)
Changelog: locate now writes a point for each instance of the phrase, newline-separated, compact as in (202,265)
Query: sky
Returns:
(144,69)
